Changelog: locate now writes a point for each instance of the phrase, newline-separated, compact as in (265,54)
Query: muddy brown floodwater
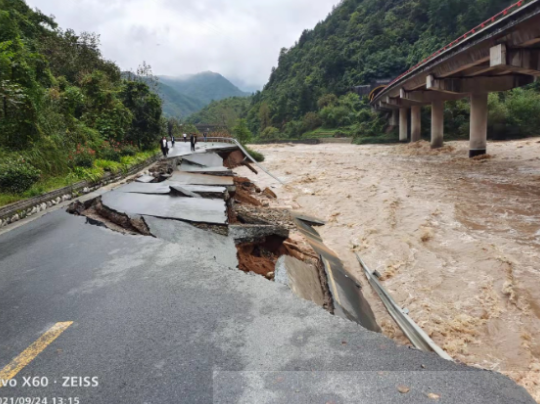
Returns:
(457,241)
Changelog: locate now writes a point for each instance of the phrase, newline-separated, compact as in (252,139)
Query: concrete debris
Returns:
(252,233)
(257,215)
(145,179)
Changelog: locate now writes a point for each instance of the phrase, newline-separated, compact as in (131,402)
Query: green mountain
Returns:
(176,104)
(206,87)
(224,112)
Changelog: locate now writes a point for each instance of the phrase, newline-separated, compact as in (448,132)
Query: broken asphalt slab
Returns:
(199,244)
(201,179)
(157,324)
(211,211)
(182,149)
(349,301)
(164,188)
(192,168)
(204,159)
(150,189)
(301,277)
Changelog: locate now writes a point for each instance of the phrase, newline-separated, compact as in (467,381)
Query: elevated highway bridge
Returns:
(500,54)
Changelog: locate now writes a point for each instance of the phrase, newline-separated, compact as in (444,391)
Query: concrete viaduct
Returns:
(500,54)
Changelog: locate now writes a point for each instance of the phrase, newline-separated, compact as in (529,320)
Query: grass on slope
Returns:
(95,173)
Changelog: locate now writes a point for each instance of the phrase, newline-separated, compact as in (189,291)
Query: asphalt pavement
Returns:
(159,321)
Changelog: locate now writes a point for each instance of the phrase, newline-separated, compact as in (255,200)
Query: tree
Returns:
(327,100)
(145,107)
(264,116)
(61,101)
(311,121)
(270,133)
(241,132)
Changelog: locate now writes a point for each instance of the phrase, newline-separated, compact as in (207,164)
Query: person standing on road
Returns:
(192,141)
(172,141)
(164,146)
(185,138)
(205,136)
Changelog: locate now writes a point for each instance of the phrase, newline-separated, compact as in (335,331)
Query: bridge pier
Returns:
(479,120)
(437,124)
(416,123)
(394,118)
(403,124)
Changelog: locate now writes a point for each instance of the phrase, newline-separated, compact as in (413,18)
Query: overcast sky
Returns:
(240,39)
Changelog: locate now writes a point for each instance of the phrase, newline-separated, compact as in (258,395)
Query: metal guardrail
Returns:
(414,333)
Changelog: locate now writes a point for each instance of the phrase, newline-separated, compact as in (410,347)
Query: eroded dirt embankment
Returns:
(456,240)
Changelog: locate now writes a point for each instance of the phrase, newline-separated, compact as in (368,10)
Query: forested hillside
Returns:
(225,112)
(205,87)
(360,41)
(175,104)
(66,113)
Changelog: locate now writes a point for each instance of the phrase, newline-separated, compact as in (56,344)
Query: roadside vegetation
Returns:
(310,93)
(66,114)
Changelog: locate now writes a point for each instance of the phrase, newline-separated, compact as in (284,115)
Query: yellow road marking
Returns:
(30,353)
(336,292)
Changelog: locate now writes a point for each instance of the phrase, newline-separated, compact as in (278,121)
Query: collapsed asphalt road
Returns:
(166,319)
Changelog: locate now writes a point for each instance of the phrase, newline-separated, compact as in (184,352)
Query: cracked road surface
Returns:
(157,323)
